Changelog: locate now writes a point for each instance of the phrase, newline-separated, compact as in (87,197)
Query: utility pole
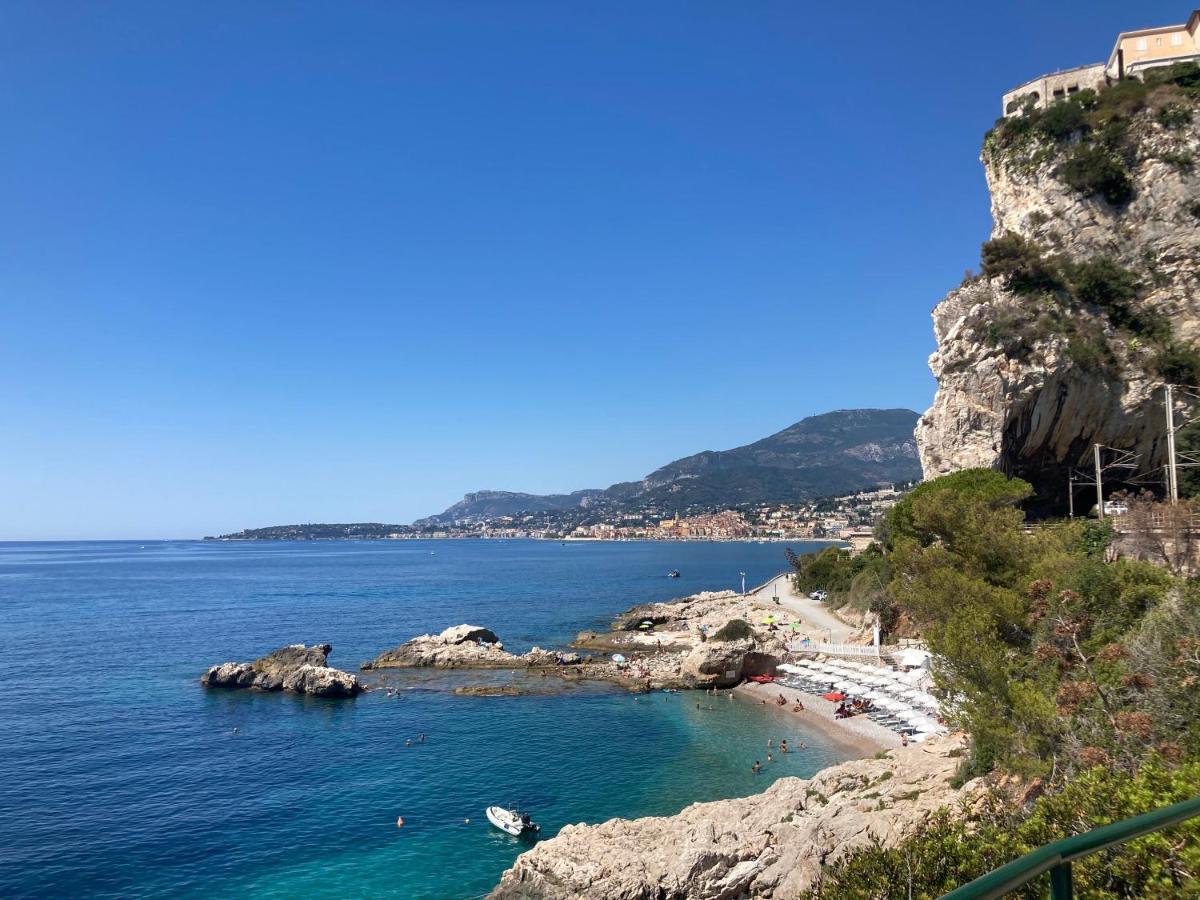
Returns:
(1172,473)
(1099,486)
(1071,495)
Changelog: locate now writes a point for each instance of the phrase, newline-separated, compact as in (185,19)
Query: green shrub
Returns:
(1095,170)
(1021,263)
(1061,120)
(734,630)
(1178,364)
(949,851)
(1091,353)
(1183,161)
(1121,100)
(1174,115)
(1102,281)
(1184,75)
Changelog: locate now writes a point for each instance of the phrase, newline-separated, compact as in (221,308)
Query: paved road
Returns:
(812,613)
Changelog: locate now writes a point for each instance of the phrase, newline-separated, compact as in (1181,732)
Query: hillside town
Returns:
(849,518)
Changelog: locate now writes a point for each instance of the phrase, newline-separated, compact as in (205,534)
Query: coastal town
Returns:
(848,517)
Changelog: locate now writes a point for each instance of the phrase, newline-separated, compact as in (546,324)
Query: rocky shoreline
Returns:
(770,845)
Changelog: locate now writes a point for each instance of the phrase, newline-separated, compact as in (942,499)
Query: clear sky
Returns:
(268,262)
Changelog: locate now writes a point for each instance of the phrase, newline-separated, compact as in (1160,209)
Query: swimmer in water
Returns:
(399,821)
(408,742)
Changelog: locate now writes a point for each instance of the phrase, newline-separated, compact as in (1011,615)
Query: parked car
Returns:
(819,596)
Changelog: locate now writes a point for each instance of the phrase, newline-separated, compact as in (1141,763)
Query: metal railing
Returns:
(835,649)
(1056,858)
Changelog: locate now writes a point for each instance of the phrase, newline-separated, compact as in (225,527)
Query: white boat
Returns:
(511,821)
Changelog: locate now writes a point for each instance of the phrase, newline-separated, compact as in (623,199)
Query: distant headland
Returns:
(786,485)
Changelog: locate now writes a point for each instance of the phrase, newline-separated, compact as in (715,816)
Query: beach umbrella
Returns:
(927,700)
(926,727)
(842,685)
(834,696)
(920,736)
(618,658)
(913,658)
(875,695)
(894,705)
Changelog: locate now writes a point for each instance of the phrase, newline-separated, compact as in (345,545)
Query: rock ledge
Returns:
(295,668)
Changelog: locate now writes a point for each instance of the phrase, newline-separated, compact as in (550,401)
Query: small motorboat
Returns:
(674,573)
(512,821)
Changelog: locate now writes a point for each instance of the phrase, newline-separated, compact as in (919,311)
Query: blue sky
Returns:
(265,262)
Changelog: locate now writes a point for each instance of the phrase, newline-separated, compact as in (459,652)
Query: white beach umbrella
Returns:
(926,727)
(920,736)
(875,695)
(789,668)
(914,658)
(855,688)
(927,700)
(894,705)
(842,685)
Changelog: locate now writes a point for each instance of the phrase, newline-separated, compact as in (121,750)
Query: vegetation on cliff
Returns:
(1088,132)
(1074,673)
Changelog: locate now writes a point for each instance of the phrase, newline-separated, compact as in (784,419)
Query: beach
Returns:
(857,736)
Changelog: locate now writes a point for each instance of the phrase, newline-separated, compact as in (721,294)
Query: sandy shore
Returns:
(858,736)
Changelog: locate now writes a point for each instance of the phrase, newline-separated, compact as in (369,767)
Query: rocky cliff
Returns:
(771,845)
(1088,302)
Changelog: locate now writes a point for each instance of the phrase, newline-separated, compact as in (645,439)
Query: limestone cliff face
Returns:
(1014,392)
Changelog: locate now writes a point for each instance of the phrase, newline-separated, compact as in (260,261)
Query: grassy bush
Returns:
(1061,120)
(1178,364)
(1185,75)
(1182,161)
(1021,264)
(948,852)
(734,630)
(1094,171)
(1174,115)
(1090,352)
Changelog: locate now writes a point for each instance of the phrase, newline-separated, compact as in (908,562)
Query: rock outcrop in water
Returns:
(465,647)
(295,668)
(771,845)
(1031,373)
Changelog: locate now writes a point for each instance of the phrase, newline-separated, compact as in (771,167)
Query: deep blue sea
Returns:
(122,777)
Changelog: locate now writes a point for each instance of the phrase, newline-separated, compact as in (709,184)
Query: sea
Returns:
(122,777)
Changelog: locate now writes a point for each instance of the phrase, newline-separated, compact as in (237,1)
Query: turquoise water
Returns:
(123,777)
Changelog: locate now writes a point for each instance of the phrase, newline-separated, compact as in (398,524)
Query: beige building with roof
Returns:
(1133,53)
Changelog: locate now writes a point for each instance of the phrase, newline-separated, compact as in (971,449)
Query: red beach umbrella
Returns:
(834,695)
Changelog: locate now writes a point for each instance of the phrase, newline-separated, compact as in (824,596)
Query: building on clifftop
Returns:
(1133,53)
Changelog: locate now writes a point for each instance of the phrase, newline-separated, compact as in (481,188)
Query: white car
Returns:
(819,596)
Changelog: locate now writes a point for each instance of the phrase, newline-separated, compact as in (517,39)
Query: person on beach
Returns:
(783,748)
(903,739)
(799,704)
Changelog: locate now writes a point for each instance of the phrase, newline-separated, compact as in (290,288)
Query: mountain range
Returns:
(834,453)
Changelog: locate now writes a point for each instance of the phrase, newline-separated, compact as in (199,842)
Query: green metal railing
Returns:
(1056,858)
